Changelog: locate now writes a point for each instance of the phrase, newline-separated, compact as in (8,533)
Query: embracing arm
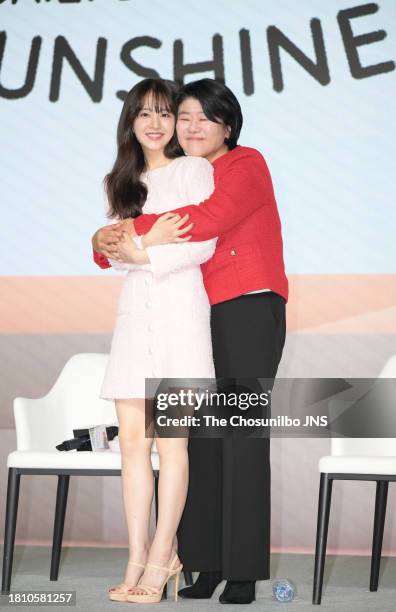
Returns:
(244,186)
(198,184)
(165,258)
(100,260)
(125,265)
(114,229)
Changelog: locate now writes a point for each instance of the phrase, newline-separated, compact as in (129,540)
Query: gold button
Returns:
(233,252)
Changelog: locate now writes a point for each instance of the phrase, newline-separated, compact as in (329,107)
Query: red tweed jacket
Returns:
(242,212)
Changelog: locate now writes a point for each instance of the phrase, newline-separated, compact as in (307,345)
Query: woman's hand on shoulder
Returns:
(167,230)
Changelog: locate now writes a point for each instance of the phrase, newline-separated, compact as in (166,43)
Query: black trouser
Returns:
(226,520)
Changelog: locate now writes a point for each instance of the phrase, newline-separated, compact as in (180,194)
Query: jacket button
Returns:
(233,252)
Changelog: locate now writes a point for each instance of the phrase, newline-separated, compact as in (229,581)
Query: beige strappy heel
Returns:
(152,594)
(119,592)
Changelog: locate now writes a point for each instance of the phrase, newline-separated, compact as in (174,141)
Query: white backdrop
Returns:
(328,143)
(328,146)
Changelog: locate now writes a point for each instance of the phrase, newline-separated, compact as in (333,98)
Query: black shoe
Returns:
(203,587)
(238,592)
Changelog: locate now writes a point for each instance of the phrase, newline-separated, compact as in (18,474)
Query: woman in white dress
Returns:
(161,295)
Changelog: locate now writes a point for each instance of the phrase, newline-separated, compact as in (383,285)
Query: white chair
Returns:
(356,459)
(41,424)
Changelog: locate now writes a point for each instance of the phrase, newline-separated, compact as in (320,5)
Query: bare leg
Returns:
(137,481)
(172,492)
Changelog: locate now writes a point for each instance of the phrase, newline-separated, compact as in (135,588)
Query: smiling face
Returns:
(153,126)
(198,135)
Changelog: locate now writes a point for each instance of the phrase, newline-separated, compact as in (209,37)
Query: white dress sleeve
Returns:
(198,185)
(120,265)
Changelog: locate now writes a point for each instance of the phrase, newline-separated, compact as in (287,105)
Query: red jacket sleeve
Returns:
(100,259)
(242,187)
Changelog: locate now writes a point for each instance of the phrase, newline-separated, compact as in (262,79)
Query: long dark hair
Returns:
(126,193)
(218,103)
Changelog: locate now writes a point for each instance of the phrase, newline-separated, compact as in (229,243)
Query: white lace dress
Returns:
(162,327)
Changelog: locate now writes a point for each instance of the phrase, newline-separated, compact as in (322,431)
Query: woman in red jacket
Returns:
(225,528)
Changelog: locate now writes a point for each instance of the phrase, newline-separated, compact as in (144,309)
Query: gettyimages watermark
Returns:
(264,407)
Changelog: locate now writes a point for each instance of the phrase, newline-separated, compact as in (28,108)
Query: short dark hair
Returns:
(218,103)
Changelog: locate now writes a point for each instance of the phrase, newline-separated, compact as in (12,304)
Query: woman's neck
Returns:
(155,159)
(218,153)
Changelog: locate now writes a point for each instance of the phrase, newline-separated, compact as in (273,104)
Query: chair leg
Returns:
(10,527)
(381,497)
(59,522)
(325,488)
